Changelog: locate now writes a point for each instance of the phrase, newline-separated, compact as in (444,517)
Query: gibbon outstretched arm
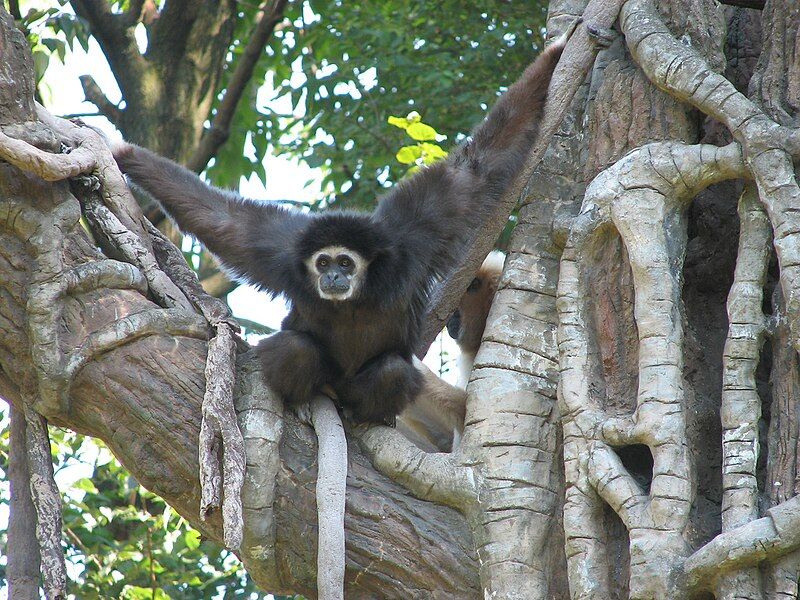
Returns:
(250,238)
(434,211)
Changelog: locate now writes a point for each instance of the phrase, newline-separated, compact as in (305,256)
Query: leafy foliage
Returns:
(341,69)
(122,541)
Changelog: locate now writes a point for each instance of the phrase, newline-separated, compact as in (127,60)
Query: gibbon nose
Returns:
(334,280)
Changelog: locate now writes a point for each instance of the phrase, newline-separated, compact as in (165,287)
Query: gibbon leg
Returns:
(381,389)
(294,366)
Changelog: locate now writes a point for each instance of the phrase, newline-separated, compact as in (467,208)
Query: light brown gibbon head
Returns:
(469,320)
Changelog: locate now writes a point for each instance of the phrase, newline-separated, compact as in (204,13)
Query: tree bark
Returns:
(631,416)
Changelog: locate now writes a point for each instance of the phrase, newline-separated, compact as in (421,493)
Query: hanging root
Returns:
(220,430)
(47,501)
(331,485)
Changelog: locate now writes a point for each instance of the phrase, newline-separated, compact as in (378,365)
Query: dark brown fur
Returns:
(363,347)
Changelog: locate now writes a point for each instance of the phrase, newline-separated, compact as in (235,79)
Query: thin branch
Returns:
(130,246)
(769,537)
(576,60)
(48,166)
(13,8)
(96,96)
(218,284)
(107,273)
(114,190)
(218,133)
(614,485)
(331,486)
(433,477)
(757,4)
(133,15)
(168,321)
(741,405)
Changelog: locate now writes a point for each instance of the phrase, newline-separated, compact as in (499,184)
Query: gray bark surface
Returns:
(632,427)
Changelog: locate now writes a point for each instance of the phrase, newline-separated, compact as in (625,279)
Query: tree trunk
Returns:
(631,426)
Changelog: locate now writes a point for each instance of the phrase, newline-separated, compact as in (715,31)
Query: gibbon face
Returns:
(469,320)
(337,272)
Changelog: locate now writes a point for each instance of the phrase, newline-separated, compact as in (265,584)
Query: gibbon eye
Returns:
(474,285)
(345,262)
(323,262)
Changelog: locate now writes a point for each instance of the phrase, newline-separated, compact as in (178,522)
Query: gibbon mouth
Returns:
(335,292)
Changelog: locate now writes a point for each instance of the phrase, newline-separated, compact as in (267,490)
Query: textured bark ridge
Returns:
(632,413)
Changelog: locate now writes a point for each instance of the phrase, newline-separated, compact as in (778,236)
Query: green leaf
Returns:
(40,62)
(135,592)
(192,539)
(400,122)
(408,154)
(86,485)
(421,132)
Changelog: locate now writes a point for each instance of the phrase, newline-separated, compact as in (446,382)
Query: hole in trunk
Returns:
(638,460)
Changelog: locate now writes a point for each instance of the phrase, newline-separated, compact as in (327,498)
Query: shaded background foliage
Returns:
(322,91)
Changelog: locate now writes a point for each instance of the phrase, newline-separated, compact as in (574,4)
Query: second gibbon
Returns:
(435,422)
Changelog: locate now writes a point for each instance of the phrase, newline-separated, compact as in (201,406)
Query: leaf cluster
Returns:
(122,541)
(339,70)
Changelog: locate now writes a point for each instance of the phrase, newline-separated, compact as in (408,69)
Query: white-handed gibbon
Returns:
(357,282)
(469,320)
(435,422)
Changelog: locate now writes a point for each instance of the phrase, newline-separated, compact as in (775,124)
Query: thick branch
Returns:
(117,42)
(47,500)
(217,134)
(22,548)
